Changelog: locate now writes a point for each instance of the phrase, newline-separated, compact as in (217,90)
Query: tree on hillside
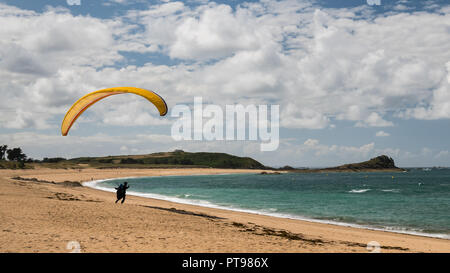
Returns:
(16,154)
(3,150)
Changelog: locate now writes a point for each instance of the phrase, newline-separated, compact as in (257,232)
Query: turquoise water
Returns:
(417,201)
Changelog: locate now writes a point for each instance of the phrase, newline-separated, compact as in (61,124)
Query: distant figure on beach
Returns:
(121,192)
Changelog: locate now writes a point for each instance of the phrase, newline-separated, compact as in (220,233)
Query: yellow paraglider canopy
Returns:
(87,100)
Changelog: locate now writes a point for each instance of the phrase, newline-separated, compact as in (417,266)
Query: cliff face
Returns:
(379,162)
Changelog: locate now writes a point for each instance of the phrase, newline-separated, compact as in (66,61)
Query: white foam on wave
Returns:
(268,212)
(359,191)
(391,190)
(186,195)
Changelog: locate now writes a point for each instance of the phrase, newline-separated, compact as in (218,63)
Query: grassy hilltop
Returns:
(176,159)
(181,159)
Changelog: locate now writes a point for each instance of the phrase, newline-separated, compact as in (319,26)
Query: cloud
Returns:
(426,152)
(134,112)
(382,134)
(439,104)
(38,145)
(43,56)
(374,120)
(295,117)
(218,32)
(311,142)
(317,64)
(340,151)
(121,2)
(442,154)
(395,153)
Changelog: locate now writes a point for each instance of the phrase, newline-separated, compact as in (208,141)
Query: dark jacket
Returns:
(121,190)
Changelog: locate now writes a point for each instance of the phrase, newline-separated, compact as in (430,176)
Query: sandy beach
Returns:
(39,216)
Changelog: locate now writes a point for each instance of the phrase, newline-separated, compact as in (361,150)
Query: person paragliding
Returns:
(91,98)
(121,192)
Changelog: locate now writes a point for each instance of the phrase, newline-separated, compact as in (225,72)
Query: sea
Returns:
(414,202)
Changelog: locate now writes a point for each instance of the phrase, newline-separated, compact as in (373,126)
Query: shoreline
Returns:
(93,185)
(43,217)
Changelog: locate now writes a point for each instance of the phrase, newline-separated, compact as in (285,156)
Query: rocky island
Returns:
(382,163)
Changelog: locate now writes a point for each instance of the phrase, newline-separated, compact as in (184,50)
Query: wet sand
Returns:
(41,213)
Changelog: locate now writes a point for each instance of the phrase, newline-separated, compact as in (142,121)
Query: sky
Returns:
(353,78)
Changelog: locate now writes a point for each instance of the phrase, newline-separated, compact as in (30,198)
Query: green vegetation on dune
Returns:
(176,159)
(14,158)
(14,165)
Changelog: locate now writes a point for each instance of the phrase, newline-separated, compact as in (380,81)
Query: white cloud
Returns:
(442,154)
(426,152)
(316,64)
(38,145)
(311,142)
(294,117)
(129,111)
(216,33)
(374,120)
(439,104)
(395,153)
(362,151)
(45,56)
(23,119)
(382,134)
(121,2)
(335,151)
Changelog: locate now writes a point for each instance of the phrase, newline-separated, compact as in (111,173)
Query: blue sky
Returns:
(353,80)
